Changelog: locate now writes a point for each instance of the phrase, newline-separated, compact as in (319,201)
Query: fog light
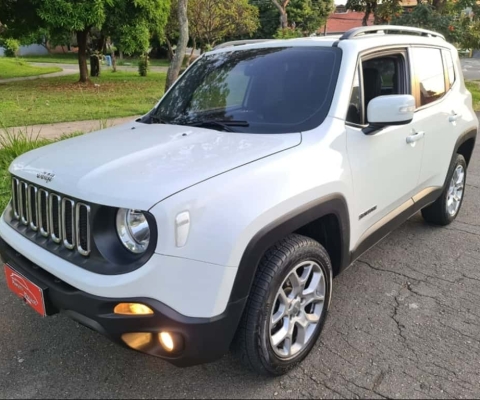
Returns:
(166,341)
(132,309)
(137,340)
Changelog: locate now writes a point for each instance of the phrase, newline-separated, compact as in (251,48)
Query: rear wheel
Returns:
(448,205)
(287,306)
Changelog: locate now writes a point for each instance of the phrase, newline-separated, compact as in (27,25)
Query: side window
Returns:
(380,76)
(354,114)
(386,68)
(429,72)
(448,62)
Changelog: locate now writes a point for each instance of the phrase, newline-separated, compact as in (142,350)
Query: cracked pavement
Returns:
(404,323)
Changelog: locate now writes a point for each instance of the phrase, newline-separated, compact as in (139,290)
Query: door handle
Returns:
(415,138)
(454,117)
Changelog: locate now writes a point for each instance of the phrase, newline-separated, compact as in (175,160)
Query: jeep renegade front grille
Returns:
(58,218)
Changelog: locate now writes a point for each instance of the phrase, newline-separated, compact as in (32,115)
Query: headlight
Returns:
(133,230)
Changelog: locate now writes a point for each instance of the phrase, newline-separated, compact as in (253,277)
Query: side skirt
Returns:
(392,221)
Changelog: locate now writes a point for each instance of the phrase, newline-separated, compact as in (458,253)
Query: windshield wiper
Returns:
(157,120)
(224,124)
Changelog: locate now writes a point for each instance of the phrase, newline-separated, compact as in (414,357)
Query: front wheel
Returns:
(448,205)
(287,306)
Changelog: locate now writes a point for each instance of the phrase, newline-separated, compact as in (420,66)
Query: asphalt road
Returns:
(471,68)
(405,322)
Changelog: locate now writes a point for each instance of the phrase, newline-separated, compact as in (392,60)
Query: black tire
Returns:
(252,340)
(437,213)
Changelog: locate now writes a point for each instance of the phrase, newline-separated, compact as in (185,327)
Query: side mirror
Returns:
(395,109)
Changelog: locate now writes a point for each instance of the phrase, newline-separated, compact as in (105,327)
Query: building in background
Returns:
(343,20)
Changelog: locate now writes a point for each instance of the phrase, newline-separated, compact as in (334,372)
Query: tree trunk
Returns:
(120,54)
(368,11)
(192,54)
(82,37)
(283,20)
(282,7)
(102,42)
(177,62)
(170,50)
(114,61)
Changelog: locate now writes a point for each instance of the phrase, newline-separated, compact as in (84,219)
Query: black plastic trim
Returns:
(108,255)
(467,135)
(393,224)
(278,229)
(375,128)
(204,339)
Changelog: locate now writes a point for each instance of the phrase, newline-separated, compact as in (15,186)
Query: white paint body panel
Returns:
(233,185)
(136,165)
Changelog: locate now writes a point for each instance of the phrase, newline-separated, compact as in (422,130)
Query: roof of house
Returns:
(342,22)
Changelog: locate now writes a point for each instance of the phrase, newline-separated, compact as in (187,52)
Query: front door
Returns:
(385,167)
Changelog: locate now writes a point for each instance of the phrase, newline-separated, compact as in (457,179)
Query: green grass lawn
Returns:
(71,58)
(63,99)
(17,68)
(474,87)
(13,145)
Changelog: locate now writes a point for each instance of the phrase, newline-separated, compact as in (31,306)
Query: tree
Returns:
(177,62)
(130,22)
(282,8)
(447,19)
(19,18)
(79,16)
(309,15)
(214,20)
(172,30)
(304,17)
(369,7)
(384,11)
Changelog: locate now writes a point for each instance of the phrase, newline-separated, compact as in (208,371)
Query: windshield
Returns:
(267,90)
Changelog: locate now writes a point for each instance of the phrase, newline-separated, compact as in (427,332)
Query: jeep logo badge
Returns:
(46,176)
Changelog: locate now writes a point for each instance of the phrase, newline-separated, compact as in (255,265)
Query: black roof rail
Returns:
(240,42)
(356,32)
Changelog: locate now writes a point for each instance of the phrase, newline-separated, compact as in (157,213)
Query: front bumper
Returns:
(204,339)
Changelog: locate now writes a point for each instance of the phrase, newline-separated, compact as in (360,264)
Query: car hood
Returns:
(137,165)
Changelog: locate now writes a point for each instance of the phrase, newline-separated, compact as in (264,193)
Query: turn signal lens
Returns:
(132,309)
(137,340)
(166,341)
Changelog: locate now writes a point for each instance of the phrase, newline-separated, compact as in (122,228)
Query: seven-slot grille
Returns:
(58,218)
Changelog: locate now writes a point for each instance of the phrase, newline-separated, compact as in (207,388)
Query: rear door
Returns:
(439,110)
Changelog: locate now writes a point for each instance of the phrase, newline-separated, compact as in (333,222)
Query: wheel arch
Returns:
(465,145)
(331,209)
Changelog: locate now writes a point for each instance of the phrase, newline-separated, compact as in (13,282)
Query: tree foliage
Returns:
(304,17)
(213,20)
(448,18)
(19,18)
(309,15)
(383,11)
(129,22)
(145,19)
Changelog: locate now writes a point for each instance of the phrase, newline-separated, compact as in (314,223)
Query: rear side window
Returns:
(429,73)
(448,61)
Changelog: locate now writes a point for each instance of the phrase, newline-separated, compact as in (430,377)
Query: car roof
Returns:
(353,43)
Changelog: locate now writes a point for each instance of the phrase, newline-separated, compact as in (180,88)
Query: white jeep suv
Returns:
(219,219)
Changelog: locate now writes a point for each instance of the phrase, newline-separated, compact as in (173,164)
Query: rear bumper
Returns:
(203,339)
